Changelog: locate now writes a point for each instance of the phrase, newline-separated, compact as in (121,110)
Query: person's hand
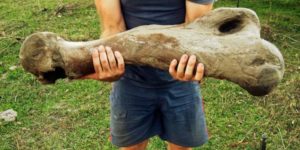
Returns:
(108,65)
(185,69)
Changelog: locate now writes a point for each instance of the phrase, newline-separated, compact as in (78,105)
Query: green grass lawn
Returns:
(75,115)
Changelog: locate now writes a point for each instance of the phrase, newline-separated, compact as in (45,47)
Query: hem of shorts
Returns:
(139,141)
(203,2)
(186,145)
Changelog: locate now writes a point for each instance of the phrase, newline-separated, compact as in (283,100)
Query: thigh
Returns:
(133,117)
(184,120)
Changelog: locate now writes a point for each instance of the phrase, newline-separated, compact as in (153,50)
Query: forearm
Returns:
(194,10)
(111,23)
(111,31)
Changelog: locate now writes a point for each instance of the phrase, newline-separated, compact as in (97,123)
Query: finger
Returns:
(199,72)
(96,61)
(103,59)
(181,66)
(111,58)
(120,61)
(190,68)
(172,68)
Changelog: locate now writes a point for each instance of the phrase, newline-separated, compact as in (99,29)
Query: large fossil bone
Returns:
(227,41)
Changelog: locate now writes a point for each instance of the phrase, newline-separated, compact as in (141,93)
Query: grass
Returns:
(75,115)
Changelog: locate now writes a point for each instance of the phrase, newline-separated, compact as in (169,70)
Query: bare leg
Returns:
(172,146)
(139,146)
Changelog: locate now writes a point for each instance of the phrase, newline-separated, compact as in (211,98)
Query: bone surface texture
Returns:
(226,40)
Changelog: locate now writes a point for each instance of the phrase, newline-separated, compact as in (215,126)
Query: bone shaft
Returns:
(226,41)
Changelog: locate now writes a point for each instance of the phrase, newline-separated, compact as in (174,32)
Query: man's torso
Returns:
(145,12)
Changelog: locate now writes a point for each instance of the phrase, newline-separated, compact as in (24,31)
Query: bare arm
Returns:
(110,16)
(183,70)
(108,65)
(194,10)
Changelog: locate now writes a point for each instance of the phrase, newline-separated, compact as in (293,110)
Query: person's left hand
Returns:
(185,69)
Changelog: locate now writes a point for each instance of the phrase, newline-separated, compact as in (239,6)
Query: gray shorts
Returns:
(174,113)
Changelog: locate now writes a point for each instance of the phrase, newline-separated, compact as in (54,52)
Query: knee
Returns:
(139,146)
(172,146)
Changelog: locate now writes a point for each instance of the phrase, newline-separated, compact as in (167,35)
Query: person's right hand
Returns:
(109,66)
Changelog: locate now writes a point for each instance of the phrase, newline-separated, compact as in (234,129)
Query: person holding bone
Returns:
(145,101)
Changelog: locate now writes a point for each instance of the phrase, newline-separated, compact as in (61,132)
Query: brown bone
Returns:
(227,41)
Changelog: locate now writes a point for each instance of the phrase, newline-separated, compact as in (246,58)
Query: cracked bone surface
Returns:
(226,40)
